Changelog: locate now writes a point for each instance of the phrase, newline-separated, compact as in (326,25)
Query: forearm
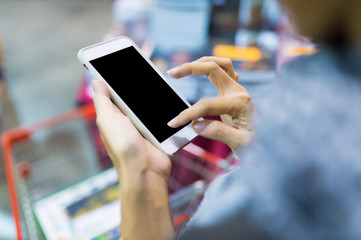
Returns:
(145,206)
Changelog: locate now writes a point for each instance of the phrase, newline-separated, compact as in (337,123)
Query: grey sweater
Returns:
(301,177)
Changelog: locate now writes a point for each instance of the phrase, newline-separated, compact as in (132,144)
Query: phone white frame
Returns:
(87,54)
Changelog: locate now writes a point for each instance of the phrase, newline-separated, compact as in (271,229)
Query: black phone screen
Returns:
(142,89)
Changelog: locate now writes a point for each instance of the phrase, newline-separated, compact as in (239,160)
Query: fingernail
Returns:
(173,122)
(172,70)
(199,127)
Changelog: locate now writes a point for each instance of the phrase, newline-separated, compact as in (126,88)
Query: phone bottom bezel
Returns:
(178,140)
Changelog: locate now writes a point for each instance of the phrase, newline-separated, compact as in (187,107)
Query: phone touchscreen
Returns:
(151,99)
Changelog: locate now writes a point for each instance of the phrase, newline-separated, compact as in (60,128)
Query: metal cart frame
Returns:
(13,137)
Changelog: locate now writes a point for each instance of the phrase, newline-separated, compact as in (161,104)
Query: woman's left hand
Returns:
(143,172)
(129,151)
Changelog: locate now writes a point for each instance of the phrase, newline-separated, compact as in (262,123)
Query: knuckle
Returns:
(237,99)
(243,97)
(228,62)
(186,65)
(202,59)
(213,66)
(241,103)
(205,58)
(203,103)
(247,100)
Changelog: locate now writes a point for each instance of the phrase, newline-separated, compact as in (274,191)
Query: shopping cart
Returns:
(45,157)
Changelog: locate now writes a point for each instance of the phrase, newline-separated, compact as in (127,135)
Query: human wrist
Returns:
(139,161)
(129,159)
(142,181)
(145,202)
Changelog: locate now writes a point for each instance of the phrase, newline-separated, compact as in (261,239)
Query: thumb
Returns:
(219,131)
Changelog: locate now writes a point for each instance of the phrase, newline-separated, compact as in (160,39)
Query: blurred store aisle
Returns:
(41,39)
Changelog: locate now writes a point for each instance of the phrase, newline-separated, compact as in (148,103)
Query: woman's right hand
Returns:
(233,103)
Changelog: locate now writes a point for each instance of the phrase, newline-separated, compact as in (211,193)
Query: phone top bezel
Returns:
(87,54)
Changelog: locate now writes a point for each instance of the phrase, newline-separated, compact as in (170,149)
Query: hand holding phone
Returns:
(122,140)
(142,170)
(139,90)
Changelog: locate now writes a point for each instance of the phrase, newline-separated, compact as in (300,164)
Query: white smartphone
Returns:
(139,90)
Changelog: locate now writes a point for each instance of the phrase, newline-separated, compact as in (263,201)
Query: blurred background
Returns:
(40,76)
